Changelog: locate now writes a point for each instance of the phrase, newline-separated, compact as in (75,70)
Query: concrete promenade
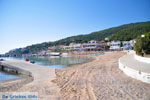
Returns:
(42,78)
(39,73)
(135,68)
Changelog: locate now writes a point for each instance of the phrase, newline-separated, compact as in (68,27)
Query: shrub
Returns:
(143,44)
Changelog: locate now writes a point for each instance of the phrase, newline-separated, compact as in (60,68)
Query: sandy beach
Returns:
(99,79)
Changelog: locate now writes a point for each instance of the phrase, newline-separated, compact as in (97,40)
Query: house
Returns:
(52,48)
(56,47)
(66,48)
(93,46)
(47,52)
(115,46)
(75,47)
(102,43)
(41,53)
(60,46)
(132,42)
(92,41)
(127,45)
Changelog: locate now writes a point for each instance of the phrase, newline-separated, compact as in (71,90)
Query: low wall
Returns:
(145,77)
(16,84)
(13,69)
(142,59)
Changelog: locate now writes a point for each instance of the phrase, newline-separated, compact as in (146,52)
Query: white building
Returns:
(41,53)
(132,42)
(67,48)
(74,46)
(92,41)
(114,45)
(93,46)
(127,45)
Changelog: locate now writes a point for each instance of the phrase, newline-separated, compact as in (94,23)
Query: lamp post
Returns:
(142,35)
(142,48)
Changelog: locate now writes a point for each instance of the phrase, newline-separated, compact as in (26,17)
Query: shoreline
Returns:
(19,84)
(24,76)
(99,79)
(14,84)
(14,70)
(92,58)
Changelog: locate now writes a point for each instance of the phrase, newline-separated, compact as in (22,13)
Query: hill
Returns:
(123,33)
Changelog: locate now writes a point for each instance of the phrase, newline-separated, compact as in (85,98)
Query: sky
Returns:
(27,22)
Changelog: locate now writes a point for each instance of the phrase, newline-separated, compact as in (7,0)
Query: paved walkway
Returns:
(42,83)
(39,73)
(132,63)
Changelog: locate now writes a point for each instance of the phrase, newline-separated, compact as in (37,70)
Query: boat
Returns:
(55,54)
(64,54)
(32,62)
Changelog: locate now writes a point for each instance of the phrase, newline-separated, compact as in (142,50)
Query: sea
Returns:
(57,62)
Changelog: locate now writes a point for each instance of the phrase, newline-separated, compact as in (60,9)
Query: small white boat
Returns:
(55,54)
(64,54)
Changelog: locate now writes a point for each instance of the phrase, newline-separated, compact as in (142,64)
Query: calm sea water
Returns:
(55,62)
(6,76)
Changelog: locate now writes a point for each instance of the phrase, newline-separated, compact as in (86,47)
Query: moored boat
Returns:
(55,54)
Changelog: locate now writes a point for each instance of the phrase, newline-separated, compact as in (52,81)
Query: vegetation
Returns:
(59,50)
(142,44)
(122,33)
(121,44)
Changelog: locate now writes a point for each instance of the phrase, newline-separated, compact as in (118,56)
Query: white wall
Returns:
(142,59)
(145,77)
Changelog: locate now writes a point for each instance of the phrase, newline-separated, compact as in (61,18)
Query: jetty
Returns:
(42,78)
(39,73)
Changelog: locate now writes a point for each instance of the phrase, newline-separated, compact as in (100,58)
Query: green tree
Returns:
(143,44)
(121,44)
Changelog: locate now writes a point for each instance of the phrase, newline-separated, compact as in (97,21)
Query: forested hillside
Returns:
(122,33)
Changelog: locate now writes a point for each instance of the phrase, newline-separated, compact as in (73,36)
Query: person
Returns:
(142,53)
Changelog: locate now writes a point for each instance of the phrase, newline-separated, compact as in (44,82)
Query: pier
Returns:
(39,73)
(41,80)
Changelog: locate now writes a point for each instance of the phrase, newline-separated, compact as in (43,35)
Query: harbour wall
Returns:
(12,69)
(12,85)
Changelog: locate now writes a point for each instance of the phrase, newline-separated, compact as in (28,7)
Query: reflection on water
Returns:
(54,61)
(5,76)
(58,62)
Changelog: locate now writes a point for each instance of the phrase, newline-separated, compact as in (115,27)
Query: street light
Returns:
(142,48)
(142,36)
